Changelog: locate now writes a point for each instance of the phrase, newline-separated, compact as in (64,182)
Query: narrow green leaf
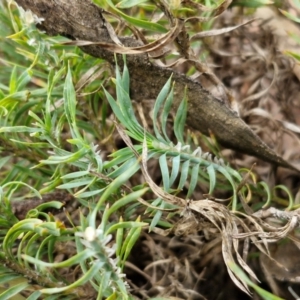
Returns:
(126,200)
(267,190)
(75,174)
(13,81)
(252,3)
(121,169)
(132,240)
(89,193)
(50,186)
(128,224)
(86,187)
(113,186)
(4,161)
(119,238)
(116,109)
(193,180)
(184,174)
(34,296)
(158,105)
(290,196)
(120,158)
(20,183)
(112,297)
(166,111)
(6,277)
(15,231)
(23,79)
(48,228)
(164,171)
(234,173)
(23,111)
(89,275)
(175,168)
(156,217)
(229,178)
(129,242)
(289,15)
(83,255)
(212,178)
(55,159)
(78,142)
(240,274)
(3,110)
(22,96)
(70,104)
(75,183)
(54,79)
(35,117)
(292,54)
(124,152)
(19,129)
(70,97)
(50,204)
(13,291)
(104,283)
(125,77)
(180,119)
(129,3)
(31,145)
(137,22)
(156,202)
(125,103)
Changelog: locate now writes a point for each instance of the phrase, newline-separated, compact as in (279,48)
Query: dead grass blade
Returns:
(291,126)
(216,32)
(226,223)
(265,91)
(117,48)
(253,235)
(90,76)
(228,259)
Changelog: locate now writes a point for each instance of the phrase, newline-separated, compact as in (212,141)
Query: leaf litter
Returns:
(177,260)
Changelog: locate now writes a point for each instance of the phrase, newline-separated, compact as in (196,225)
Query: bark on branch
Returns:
(83,20)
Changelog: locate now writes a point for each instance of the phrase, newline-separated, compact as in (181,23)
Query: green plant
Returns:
(54,120)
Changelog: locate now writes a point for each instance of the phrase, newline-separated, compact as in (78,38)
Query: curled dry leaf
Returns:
(112,33)
(227,224)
